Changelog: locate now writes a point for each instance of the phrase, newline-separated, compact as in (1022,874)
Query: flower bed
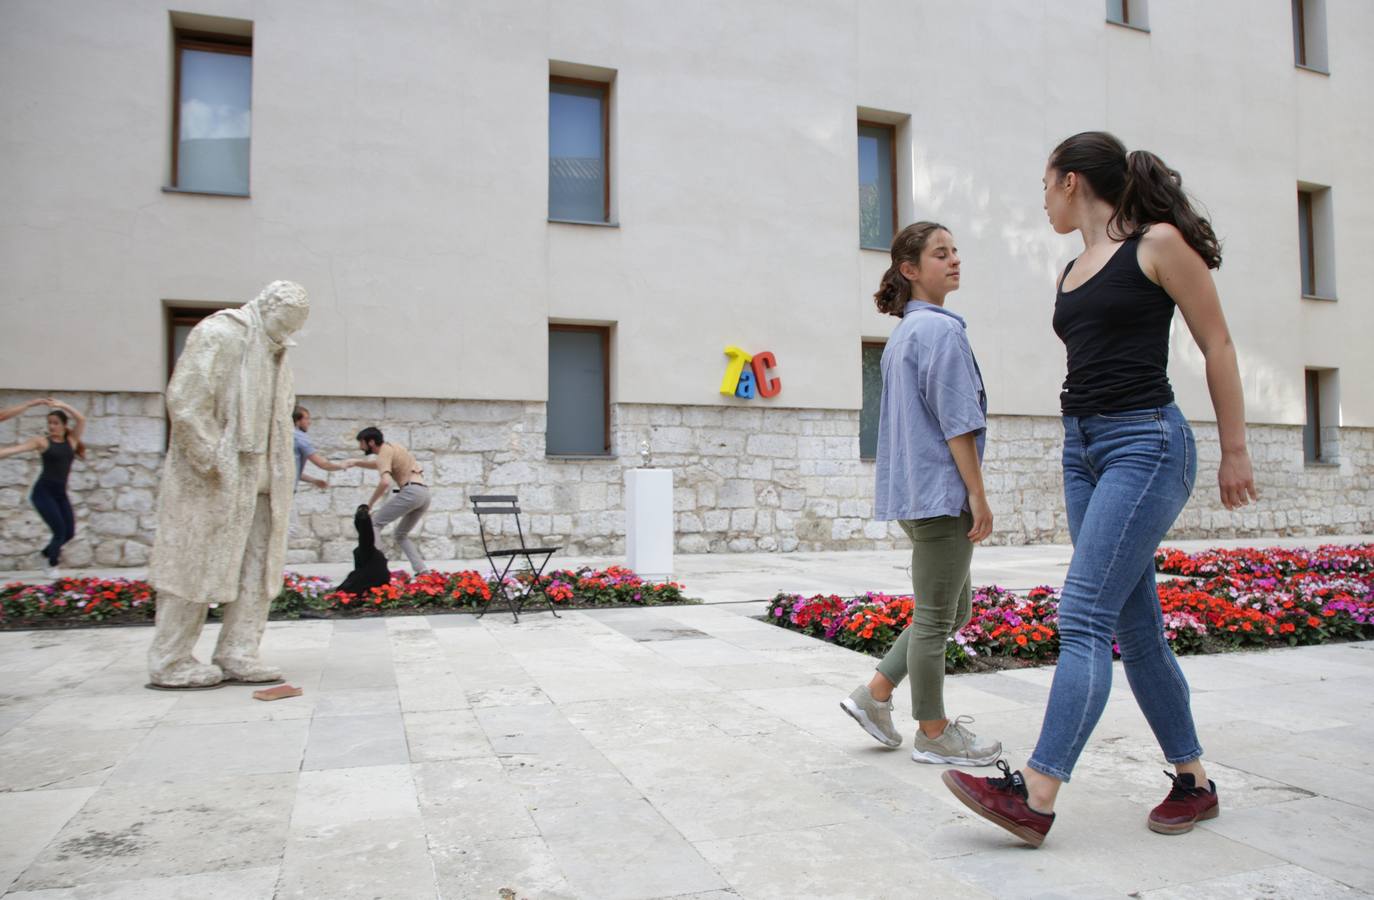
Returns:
(1274,561)
(69,602)
(1253,599)
(77,600)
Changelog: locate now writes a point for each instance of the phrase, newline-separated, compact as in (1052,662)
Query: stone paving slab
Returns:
(644,754)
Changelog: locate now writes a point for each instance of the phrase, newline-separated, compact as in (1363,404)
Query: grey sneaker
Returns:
(957,746)
(875,717)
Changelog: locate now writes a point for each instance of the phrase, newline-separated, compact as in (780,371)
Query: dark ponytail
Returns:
(894,291)
(1142,189)
(1154,193)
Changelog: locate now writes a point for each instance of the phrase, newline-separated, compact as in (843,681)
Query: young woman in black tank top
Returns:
(57,449)
(1129,465)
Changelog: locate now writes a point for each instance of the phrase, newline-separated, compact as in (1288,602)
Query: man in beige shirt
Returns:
(410,497)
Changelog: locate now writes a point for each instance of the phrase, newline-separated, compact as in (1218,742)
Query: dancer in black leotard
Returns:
(57,449)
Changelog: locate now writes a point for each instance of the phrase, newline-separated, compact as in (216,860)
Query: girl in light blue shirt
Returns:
(931,424)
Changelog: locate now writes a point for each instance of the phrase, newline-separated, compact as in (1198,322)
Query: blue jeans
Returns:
(50,499)
(1126,478)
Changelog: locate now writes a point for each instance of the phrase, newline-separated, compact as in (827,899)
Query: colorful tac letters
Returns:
(747,375)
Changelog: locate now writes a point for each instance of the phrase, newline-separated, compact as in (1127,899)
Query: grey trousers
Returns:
(409,505)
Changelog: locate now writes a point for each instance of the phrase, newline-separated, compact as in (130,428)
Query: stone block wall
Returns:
(747,478)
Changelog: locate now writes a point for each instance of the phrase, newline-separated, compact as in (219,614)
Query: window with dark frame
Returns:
(1316,250)
(872,361)
(1307,244)
(212,113)
(579,150)
(1132,13)
(579,407)
(877,185)
(1299,33)
(1309,35)
(1312,430)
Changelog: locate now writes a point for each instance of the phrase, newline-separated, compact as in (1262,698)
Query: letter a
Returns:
(746,385)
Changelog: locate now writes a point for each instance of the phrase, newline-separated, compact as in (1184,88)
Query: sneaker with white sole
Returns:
(875,717)
(956,746)
(52,572)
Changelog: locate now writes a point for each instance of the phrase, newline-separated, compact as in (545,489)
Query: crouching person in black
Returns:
(369,564)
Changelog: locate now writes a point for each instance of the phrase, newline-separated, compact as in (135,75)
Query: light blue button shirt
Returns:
(932,391)
(304,450)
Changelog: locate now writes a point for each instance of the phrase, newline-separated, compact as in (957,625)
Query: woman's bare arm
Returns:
(1167,260)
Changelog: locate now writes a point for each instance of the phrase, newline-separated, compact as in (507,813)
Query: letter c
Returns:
(767,386)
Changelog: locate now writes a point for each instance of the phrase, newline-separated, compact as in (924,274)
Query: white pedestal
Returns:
(649,522)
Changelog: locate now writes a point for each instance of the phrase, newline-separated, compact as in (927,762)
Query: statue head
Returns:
(284,307)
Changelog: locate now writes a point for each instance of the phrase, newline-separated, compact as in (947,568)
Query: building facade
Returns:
(530,232)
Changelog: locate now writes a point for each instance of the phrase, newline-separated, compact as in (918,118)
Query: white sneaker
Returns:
(956,746)
(52,572)
(873,716)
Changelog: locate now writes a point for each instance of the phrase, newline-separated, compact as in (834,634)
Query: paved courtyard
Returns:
(676,752)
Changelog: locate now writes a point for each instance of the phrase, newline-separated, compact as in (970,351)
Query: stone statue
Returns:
(224,504)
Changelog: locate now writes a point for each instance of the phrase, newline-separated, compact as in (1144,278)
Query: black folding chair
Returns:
(515,597)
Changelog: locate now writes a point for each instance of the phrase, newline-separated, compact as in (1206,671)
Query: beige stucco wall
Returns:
(399,165)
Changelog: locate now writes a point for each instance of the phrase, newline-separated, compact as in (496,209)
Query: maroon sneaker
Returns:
(1002,800)
(1186,805)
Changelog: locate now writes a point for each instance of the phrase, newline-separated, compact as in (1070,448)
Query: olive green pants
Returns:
(940,557)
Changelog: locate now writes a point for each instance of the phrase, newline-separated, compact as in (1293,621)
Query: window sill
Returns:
(1313,69)
(1322,463)
(1130,25)
(553,221)
(581,457)
(172,189)
(1319,297)
(876,249)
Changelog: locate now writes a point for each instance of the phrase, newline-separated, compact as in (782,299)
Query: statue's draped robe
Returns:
(229,402)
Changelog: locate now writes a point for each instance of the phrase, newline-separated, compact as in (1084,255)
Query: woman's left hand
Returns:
(1236,479)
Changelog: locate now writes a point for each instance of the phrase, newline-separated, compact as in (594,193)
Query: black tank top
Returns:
(57,461)
(1115,327)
